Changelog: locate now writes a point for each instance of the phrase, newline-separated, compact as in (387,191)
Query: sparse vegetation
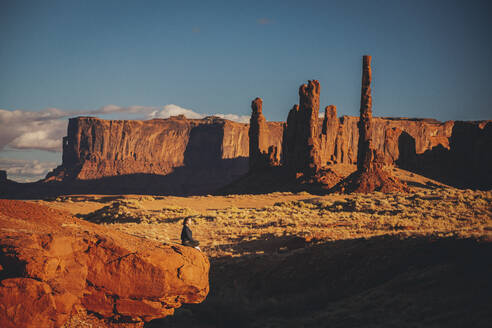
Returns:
(296,259)
(426,212)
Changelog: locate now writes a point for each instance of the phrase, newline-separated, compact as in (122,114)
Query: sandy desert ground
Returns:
(223,223)
(300,260)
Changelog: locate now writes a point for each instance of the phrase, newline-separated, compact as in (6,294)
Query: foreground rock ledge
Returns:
(52,265)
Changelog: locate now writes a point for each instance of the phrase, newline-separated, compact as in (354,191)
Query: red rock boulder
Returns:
(52,265)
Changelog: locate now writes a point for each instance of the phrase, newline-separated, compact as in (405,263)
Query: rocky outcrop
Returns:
(341,146)
(160,156)
(289,138)
(465,162)
(364,144)
(96,148)
(261,153)
(52,265)
(302,131)
(257,135)
(183,156)
(338,138)
(301,137)
(305,141)
(371,174)
(329,133)
(273,157)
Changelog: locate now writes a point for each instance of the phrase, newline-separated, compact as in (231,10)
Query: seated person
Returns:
(187,235)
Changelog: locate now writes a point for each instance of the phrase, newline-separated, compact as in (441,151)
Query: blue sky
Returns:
(430,59)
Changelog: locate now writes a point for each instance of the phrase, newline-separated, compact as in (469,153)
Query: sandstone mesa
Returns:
(200,156)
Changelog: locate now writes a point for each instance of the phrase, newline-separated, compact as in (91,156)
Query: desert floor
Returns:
(422,258)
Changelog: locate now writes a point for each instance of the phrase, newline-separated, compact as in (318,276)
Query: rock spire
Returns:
(370,175)
(261,155)
(302,135)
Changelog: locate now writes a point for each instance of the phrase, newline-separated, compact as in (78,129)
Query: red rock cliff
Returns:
(199,156)
(172,156)
(96,148)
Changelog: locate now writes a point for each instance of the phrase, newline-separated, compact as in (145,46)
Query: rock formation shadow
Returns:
(380,281)
(183,181)
(260,181)
(462,165)
(406,148)
(267,243)
(204,148)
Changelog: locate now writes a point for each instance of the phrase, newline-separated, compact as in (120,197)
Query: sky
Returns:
(147,59)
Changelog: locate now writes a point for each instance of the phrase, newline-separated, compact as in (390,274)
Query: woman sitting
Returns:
(187,235)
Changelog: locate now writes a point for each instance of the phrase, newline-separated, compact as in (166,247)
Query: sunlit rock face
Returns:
(200,156)
(52,264)
(185,155)
(96,148)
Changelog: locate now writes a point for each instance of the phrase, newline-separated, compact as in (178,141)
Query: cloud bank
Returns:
(174,110)
(26,170)
(32,130)
(45,129)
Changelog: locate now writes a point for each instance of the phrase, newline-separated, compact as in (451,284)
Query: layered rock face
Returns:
(96,148)
(53,265)
(340,143)
(339,136)
(175,155)
(466,162)
(182,156)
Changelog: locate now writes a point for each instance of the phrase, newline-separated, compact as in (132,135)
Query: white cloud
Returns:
(37,140)
(32,130)
(234,117)
(175,110)
(25,170)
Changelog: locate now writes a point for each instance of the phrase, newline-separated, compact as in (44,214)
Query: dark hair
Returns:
(185,221)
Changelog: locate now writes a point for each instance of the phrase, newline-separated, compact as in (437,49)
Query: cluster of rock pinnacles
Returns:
(301,143)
